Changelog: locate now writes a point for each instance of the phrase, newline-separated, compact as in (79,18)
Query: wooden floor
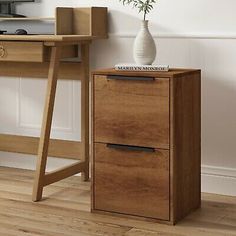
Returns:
(65,210)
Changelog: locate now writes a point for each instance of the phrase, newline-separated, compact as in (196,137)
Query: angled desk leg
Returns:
(85,110)
(47,122)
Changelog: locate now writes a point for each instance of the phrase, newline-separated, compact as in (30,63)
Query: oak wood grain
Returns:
(64,26)
(66,211)
(90,21)
(63,173)
(131,182)
(37,48)
(131,113)
(47,38)
(29,145)
(67,70)
(21,52)
(99,22)
(46,124)
(85,111)
(64,21)
(128,112)
(173,72)
(185,144)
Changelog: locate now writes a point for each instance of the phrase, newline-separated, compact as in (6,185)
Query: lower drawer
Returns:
(131,181)
(22,51)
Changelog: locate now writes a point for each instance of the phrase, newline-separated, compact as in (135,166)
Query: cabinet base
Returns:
(141,218)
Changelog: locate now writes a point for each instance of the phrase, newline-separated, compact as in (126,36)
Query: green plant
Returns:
(144,6)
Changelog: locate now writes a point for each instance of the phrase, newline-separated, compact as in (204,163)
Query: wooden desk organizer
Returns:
(88,21)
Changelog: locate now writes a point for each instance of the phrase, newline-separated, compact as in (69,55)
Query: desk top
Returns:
(47,38)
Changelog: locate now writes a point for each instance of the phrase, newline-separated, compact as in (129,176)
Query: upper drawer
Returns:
(21,51)
(131,112)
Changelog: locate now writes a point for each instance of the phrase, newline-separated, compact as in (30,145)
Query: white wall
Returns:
(188,33)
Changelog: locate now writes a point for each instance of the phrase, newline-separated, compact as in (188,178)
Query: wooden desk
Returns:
(40,56)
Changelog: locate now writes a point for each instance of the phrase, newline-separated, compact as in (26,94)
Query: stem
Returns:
(145,11)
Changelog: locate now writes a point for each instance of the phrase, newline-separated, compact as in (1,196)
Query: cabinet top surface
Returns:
(171,73)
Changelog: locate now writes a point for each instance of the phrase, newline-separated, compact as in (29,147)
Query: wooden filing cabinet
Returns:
(146,143)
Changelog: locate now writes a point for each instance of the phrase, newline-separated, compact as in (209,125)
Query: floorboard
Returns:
(65,211)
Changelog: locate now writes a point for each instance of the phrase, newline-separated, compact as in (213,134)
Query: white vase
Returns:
(144,50)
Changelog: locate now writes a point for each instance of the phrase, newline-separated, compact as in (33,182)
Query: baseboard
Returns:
(219,180)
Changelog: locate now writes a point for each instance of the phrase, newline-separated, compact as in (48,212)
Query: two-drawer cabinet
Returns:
(146,143)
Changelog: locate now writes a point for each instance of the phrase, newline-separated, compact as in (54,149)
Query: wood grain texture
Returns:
(48,38)
(21,51)
(64,21)
(185,144)
(64,26)
(99,22)
(131,113)
(58,46)
(85,110)
(67,70)
(66,212)
(29,145)
(46,124)
(70,51)
(63,173)
(131,182)
(159,74)
(82,21)
(90,21)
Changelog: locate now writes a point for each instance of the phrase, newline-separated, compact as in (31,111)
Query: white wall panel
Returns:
(170,16)
(31,100)
(21,107)
(8,104)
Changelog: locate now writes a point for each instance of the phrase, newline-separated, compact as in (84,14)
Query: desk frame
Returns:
(73,26)
(42,178)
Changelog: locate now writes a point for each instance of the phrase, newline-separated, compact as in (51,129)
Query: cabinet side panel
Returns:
(92,141)
(185,144)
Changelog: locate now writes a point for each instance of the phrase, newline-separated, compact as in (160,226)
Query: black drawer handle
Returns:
(130,148)
(118,77)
